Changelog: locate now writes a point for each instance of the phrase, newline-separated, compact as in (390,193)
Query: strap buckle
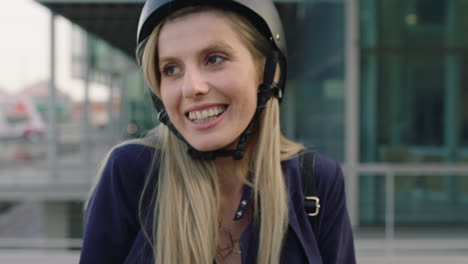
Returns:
(316,204)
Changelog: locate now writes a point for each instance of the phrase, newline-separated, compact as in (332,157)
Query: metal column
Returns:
(52,122)
(452,102)
(111,126)
(85,127)
(352,107)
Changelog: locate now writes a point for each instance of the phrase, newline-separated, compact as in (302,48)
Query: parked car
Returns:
(20,119)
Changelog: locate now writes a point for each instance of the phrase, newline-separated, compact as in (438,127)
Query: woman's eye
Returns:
(215,59)
(171,70)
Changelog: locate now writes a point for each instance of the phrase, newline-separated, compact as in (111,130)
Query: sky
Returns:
(25,50)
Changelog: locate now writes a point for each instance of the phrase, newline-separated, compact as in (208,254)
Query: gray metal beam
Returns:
(85,144)
(52,122)
(352,107)
(53,192)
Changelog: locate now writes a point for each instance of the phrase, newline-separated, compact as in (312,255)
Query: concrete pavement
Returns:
(421,257)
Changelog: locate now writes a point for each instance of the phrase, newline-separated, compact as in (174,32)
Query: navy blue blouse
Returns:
(113,233)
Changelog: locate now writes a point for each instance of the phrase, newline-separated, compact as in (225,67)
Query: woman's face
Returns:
(209,79)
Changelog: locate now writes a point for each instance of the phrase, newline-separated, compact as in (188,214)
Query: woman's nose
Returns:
(194,83)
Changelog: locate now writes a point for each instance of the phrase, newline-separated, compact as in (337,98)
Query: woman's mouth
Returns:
(207,114)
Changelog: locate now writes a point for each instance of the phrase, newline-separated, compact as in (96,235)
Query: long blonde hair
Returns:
(187,198)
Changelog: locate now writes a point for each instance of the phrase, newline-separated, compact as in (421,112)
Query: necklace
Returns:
(229,247)
(227,244)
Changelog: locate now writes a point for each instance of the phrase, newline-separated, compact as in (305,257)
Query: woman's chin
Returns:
(212,146)
(205,148)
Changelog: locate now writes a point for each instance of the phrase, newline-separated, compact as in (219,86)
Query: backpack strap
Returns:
(311,200)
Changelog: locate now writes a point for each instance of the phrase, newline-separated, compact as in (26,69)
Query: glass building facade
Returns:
(313,107)
(414,93)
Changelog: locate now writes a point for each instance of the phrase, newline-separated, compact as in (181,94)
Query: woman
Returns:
(216,181)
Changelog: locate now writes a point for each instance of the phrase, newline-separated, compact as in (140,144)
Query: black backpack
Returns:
(311,200)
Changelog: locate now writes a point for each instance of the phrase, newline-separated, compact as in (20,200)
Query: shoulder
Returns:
(125,168)
(328,170)
(113,211)
(135,153)
(132,154)
(122,176)
(129,163)
(328,176)
(334,229)
(334,232)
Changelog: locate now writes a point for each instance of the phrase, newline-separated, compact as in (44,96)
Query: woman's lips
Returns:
(207,117)
(206,114)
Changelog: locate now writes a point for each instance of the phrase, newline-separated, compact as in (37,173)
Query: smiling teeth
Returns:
(206,114)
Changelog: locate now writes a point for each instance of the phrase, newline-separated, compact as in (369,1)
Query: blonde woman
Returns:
(216,181)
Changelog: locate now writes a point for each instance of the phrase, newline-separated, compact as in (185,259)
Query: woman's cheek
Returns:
(170,99)
(166,95)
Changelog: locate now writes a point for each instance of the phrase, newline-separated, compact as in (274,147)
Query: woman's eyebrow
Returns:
(221,45)
(217,46)
(162,60)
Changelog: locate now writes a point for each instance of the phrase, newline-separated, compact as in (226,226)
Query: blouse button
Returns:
(243,203)
(239,214)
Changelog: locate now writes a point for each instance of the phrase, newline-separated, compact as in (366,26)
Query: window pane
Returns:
(463,99)
(424,199)
(431,199)
(413,81)
(313,107)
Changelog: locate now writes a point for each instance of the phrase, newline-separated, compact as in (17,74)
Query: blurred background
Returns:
(380,85)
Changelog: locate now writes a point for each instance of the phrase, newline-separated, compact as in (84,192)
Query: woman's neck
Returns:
(232,174)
